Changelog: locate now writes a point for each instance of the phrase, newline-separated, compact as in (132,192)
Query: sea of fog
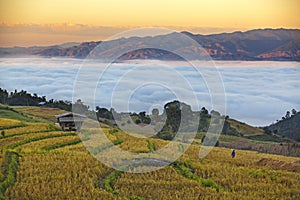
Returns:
(257,93)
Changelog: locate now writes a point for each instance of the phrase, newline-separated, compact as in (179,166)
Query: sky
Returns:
(34,22)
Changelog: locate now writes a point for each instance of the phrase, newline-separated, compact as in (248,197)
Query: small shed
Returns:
(70,121)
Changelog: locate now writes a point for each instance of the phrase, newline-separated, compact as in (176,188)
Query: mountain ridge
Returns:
(259,44)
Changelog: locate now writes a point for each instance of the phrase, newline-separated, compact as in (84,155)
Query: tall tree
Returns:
(288,114)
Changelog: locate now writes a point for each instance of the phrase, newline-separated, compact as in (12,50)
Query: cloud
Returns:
(257,93)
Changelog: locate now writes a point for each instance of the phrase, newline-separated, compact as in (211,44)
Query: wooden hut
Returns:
(70,121)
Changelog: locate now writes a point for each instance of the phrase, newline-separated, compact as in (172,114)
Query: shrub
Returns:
(111,180)
(166,135)
(113,131)
(150,146)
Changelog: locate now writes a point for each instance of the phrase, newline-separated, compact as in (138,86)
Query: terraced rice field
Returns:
(38,161)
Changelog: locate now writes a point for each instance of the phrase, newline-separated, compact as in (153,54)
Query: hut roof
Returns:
(69,114)
(70,117)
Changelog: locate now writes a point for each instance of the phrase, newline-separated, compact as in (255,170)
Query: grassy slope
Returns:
(246,129)
(7,112)
(250,174)
(255,139)
(39,113)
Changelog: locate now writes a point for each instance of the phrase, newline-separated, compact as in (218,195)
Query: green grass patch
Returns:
(7,112)
(260,173)
(117,141)
(113,131)
(267,138)
(9,171)
(228,138)
(110,181)
(244,128)
(185,170)
(150,146)
(181,148)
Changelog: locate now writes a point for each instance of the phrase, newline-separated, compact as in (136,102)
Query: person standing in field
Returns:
(233,153)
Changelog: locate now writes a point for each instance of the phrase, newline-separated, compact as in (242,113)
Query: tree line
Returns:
(171,120)
(288,126)
(23,98)
(167,123)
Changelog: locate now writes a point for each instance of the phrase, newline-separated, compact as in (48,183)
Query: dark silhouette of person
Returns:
(233,153)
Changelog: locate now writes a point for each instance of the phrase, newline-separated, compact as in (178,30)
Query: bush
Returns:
(210,183)
(113,131)
(166,135)
(150,146)
(185,170)
(110,181)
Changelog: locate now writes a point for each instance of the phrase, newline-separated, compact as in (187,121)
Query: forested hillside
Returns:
(288,126)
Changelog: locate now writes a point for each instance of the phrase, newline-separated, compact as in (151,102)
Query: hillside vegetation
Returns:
(234,134)
(288,126)
(39,161)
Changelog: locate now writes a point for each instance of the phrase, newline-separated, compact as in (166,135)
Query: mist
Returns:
(257,93)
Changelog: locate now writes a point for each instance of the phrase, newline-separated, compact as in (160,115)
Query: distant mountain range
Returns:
(260,44)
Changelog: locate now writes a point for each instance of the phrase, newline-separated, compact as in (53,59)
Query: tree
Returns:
(215,113)
(103,113)
(288,114)
(204,111)
(79,107)
(267,131)
(173,112)
(155,112)
(294,112)
(144,118)
(142,114)
(3,96)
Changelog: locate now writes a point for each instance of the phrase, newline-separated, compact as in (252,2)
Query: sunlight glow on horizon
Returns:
(212,13)
(28,17)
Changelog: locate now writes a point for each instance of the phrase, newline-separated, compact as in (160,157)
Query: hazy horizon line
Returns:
(32,34)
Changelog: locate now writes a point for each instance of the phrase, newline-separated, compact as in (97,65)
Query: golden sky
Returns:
(201,16)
